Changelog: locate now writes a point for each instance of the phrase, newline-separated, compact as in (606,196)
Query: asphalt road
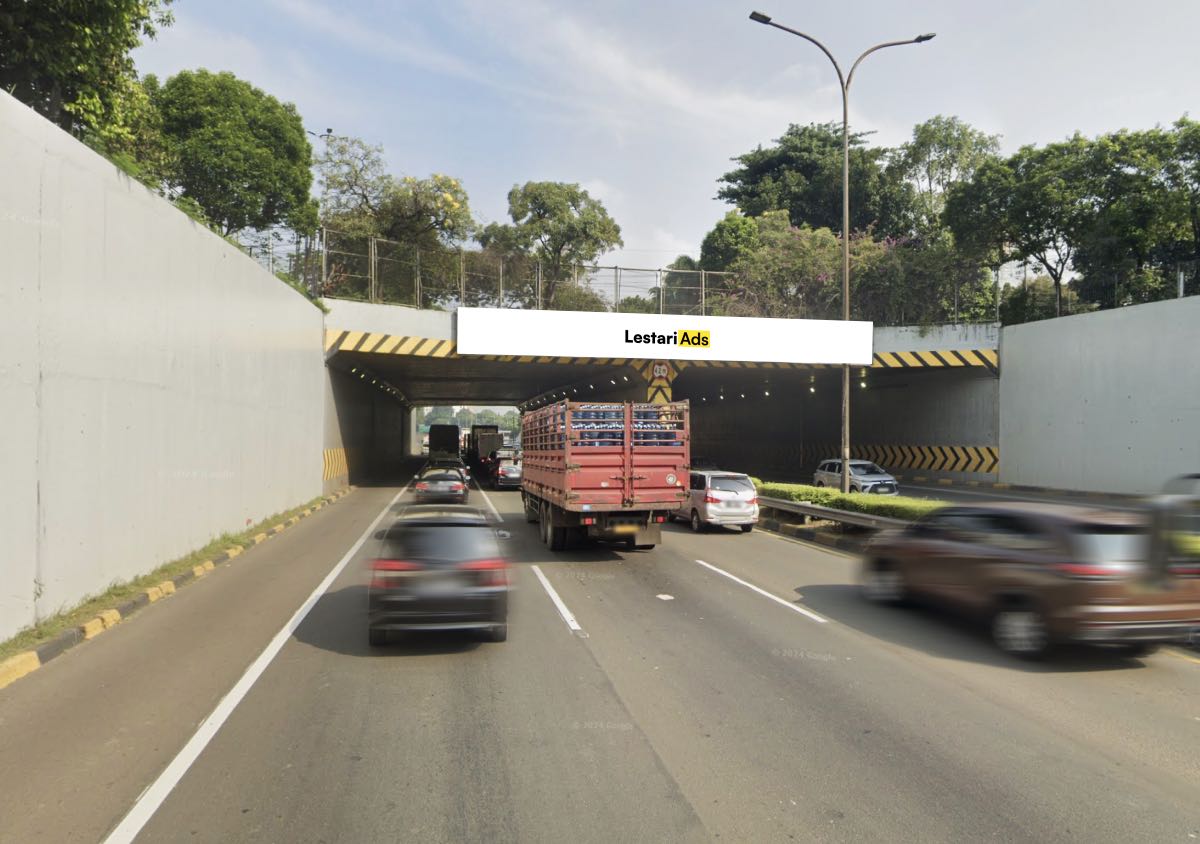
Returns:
(689,706)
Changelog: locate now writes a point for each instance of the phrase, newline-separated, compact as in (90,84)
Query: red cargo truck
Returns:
(604,470)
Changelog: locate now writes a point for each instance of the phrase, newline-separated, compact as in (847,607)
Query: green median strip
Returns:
(890,506)
(122,593)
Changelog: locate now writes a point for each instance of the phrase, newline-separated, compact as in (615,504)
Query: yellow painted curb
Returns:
(199,571)
(93,628)
(16,667)
(945,481)
(307,510)
(153,594)
(920,479)
(1001,486)
(293,520)
(278,528)
(234,550)
(167,587)
(262,537)
(111,618)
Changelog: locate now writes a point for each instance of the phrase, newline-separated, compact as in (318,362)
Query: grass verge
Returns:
(89,608)
(890,506)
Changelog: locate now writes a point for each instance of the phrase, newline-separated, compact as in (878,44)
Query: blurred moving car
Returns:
(438,568)
(865,476)
(719,498)
(506,473)
(1041,574)
(441,485)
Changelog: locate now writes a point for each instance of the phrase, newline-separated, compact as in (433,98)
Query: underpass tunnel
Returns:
(923,413)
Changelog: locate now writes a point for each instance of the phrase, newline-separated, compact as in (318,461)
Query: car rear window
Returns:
(732,483)
(1115,544)
(440,544)
(441,476)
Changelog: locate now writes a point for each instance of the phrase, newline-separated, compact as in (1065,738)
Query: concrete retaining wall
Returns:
(1108,401)
(158,387)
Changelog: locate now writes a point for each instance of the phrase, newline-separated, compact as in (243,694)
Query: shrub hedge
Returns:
(890,506)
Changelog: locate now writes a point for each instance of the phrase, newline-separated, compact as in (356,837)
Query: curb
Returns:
(26,662)
(807,534)
(949,482)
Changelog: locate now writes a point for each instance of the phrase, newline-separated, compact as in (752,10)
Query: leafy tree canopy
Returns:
(238,152)
(69,60)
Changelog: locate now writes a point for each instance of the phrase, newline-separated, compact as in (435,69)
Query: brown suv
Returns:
(1041,574)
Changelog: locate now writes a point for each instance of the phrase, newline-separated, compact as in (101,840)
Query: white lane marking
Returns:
(665,597)
(558,602)
(152,798)
(490,505)
(794,607)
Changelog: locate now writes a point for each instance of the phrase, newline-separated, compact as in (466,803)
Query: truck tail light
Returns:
(660,519)
(588,520)
(488,572)
(1087,571)
(385,573)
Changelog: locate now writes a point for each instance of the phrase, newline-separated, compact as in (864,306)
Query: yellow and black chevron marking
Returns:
(659,375)
(372,342)
(934,458)
(336,464)
(385,344)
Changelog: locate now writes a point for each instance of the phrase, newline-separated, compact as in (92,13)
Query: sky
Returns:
(645,103)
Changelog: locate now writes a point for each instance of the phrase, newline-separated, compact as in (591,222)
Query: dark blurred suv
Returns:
(1040,574)
(438,568)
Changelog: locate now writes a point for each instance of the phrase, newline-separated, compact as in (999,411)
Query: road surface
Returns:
(721,687)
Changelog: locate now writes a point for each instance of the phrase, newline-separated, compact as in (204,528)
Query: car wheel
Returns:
(697,525)
(496,633)
(747,528)
(376,637)
(1021,631)
(647,547)
(882,583)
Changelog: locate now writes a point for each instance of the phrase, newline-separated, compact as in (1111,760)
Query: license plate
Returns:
(625,529)
(440,586)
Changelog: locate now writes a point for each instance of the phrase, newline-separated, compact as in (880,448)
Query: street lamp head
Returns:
(928,36)
(759,17)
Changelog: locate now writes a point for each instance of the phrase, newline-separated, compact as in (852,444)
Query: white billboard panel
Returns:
(506,331)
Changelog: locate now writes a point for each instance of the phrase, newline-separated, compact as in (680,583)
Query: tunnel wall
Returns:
(1106,401)
(158,387)
(367,433)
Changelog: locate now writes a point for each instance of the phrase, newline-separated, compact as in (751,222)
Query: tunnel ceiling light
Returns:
(812,389)
(766,392)
(743,395)
(591,386)
(862,384)
(611,381)
(625,377)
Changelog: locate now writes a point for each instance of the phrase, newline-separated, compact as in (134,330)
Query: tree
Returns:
(639,304)
(943,152)
(510,421)
(577,297)
(441,415)
(70,61)
(354,182)
(802,174)
(486,417)
(238,152)
(557,224)
(734,236)
(465,417)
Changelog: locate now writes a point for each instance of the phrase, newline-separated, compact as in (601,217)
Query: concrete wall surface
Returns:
(368,432)
(1108,401)
(158,387)
(347,315)
(915,338)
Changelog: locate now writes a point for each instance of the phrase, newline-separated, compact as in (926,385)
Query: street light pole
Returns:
(844,83)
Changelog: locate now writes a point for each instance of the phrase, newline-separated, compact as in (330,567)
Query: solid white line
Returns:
(490,505)
(795,607)
(558,602)
(152,798)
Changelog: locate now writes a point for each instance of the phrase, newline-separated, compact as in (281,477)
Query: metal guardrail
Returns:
(832,514)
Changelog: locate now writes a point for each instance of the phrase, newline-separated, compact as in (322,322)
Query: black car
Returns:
(447,463)
(441,485)
(438,568)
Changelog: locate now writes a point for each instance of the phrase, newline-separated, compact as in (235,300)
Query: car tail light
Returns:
(711,499)
(753,501)
(1184,570)
(488,572)
(422,485)
(1089,571)
(384,573)
(456,487)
